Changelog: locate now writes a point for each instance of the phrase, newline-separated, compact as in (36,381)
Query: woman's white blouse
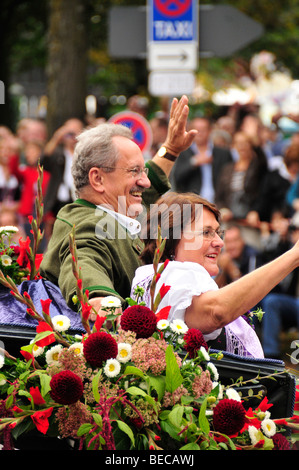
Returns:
(186,280)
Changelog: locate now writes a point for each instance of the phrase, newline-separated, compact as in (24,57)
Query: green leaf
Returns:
(202,419)
(173,375)
(97,419)
(136,391)
(95,386)
(158,384)
(176,415)
(131,370)
(126,429)
(190,446)
(84,429)
(45,384)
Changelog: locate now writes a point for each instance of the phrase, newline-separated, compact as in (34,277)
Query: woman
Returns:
(194,296)
(240,182)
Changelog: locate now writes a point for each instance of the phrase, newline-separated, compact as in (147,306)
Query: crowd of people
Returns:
(248,170)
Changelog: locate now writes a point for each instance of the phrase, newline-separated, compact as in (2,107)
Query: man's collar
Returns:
(132,225)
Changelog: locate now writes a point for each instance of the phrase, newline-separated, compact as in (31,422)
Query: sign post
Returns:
(172,58)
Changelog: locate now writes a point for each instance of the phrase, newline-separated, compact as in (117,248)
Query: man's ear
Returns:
(96,179)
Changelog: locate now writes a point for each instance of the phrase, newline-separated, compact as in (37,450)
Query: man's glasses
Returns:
(208,233)
(136,172)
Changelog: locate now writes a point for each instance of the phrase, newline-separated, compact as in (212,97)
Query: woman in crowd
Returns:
(240,182)
(194,239)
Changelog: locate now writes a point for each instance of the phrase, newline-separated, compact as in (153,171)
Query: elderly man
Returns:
(112,184)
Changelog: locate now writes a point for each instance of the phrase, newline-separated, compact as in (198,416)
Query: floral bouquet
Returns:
(132,381)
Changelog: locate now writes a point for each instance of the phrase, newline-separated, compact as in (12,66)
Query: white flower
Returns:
(204,353)
(9,228)
(211,367)
(52,355)
(162,324)
(111,302)
(112,368)
(124,352)
(1,360)
(268,427)
(179,326)
(6,260)
(37,350)
(77,348)
(220,391)
(254,434)
(61,323)
(232,394)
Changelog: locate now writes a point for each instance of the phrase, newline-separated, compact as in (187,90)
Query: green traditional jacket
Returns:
(108,254)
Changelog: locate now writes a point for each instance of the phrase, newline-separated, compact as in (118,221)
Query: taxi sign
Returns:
(172,34)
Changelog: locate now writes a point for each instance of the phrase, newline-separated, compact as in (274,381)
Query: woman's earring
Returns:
(172,257)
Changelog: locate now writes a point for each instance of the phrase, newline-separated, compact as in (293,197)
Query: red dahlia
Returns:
(99,347)
(139,319)
(229,417)
(66,387)
(193,341)
(280,442)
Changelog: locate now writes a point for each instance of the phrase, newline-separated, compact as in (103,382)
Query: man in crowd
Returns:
(112,184)
(198,168)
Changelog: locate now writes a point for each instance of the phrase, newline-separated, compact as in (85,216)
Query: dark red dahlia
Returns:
(139,319)
(99,347)
(280,442)
(66,387)
(194,339)
(229,417)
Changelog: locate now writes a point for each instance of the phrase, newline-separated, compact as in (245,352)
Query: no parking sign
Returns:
(142,132)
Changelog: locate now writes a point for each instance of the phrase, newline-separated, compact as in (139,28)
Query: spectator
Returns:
(281,306)
(159,126)
(9,186)
(198,168)
(57,160)
(27,175)
(240,182)
(238,258)
(278,191)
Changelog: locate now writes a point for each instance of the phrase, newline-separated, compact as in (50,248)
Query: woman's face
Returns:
(243,146)
(201,244)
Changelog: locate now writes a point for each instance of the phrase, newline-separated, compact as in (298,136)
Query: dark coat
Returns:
(186,177)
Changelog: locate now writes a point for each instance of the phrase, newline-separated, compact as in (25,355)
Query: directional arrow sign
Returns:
(223,30)
(172,56)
